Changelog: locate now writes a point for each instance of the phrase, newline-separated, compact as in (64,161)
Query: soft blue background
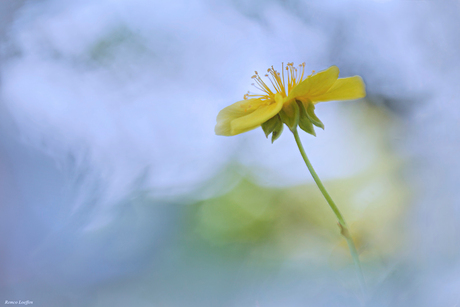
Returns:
(107,136)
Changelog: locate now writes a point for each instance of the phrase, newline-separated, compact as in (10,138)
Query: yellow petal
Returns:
(343,89)
(234,111)
(258,117)
(315,85)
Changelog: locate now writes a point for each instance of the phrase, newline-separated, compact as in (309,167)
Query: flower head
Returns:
(289,97)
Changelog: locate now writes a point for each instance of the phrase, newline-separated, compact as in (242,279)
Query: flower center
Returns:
(282,82)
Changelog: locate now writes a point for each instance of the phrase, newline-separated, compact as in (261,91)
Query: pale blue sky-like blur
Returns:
(115,191)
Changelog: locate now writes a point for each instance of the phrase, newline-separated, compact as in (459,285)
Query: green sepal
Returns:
(312,116)
(304,122)
(278,129)
(270,125)
(274,126)
(290,115)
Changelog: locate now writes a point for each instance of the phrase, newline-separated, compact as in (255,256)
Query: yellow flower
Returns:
(290,100)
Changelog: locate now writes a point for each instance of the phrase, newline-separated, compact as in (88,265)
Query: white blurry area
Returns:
(103,101)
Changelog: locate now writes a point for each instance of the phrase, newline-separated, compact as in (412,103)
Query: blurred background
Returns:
(115,191)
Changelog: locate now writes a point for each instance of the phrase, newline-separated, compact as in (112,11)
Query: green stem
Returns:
(342,224)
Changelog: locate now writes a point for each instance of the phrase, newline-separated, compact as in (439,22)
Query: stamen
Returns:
(278,81)
(303,70)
